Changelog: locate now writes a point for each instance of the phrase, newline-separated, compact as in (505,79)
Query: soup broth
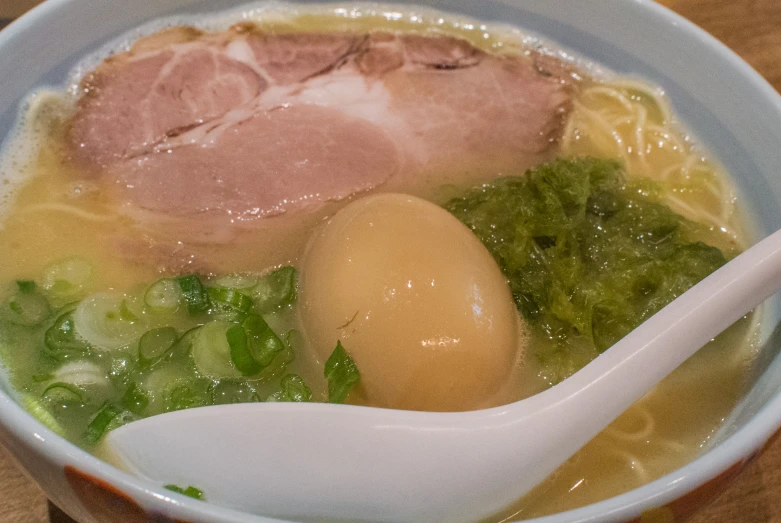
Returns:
(60,212)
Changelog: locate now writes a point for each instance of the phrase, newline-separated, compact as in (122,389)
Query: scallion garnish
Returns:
(253,345)
(33,405)
(61,340)
(238,281)
(97,426)
(190,491)
(194,293)
(67,279)
(164,295)
(275,290)
(240,354)
(26,307)
(185,394)
(263,343)
(292,388)
(155,345)
(26,285)
(61,392)
(230,298)
(134,399)
(342,374)
(125,314)
(121,354)
(211,352)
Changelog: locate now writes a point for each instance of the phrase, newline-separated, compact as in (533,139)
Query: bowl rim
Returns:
(738,448)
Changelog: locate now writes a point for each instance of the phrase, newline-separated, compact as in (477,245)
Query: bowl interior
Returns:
(725,104)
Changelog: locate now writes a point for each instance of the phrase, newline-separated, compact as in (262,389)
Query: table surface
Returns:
(752,28)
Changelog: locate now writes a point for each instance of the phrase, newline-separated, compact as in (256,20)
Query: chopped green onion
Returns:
(26,285)
(158,384)
(240,354)
(185,394)
(190,491)
(67,278)
(341,373)
(99,423)
(238,281)
(125,314)
(61,392)
(183,346)
(26,308)
(263,343)
(123,418)
(231,298)
(292,388)
(232,391)
(83,374)
(39,412)
(156,344)
(40,378)
(61,340)
(164,295)
(105,322)
(211,351)
(275,290)
(194,293)
(134,399)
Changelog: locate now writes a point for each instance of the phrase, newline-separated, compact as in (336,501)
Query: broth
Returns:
(60,212)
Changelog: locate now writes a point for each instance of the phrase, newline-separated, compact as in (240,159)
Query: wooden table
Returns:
(753,29)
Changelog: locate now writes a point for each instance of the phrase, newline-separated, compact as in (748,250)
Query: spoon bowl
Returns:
(315,461)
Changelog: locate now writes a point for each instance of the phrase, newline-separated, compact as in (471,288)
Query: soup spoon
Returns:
(313,461)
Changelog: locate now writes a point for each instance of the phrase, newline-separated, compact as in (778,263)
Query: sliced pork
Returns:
(249,124)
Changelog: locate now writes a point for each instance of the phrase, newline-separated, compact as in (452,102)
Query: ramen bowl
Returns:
(731,110)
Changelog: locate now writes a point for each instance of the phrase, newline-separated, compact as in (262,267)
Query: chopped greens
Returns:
(26,285)
(155,345)
(253,345)
(194,293)
(342,374)
(104,320)
(275,290)
(100,422)
(42,414)
(185,394)
(164,295)
(237,281)
(190,491)
(262,342)
(26,307)
(240,354)
(135,400)
(589,255)
(230,298)
(61,340)
(292,388)
(63,392)
(109,358)
(67,279)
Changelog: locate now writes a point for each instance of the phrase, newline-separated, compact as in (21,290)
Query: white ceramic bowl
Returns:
(728,106)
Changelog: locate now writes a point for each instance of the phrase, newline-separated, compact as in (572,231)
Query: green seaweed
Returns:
(588,254)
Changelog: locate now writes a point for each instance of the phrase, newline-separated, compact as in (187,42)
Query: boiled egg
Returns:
(416,300)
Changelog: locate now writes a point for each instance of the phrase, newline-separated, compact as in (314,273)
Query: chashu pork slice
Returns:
(247,123)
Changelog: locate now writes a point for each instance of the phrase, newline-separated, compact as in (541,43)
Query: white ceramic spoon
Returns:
(318,461)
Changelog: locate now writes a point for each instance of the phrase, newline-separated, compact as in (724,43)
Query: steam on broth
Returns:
(80,239)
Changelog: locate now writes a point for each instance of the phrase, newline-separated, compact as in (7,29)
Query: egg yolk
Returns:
(416,300)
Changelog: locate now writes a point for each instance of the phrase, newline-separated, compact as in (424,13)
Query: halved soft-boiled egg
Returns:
(416,300)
